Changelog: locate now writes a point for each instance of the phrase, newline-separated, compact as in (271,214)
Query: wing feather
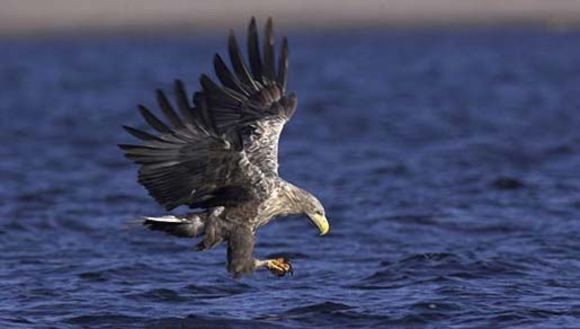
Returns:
(200,102)
(140,134)
(281,79)
(269,56)
(238,64)
(263,110)
(153,121)
(182,102)
(254,51)
(167,109)
(226,77)
(216,150)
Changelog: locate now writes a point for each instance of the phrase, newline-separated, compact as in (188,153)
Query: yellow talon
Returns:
(279,267)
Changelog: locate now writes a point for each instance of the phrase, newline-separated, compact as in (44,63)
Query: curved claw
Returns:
(280,267)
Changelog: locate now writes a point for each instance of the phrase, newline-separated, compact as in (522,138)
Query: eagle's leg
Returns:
(240,249)
(240,259)
(278,266)
(213,231)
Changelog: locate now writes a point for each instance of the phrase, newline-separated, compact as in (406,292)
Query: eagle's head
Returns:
(313,209)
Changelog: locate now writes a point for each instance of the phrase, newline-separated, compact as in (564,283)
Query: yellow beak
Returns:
(321,222)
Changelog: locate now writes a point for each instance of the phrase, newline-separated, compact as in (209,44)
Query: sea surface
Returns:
(448,162)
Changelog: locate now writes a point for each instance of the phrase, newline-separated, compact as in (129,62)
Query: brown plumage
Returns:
(220,154)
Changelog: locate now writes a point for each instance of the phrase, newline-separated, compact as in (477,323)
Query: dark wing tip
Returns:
(221,69)
(203,111)
(225,75)
(152,120)
(127,147)
(269,29)
(269,57)
(167,109)
(140,134)
(282,77)
(238,65)
(160,96)
(179,88)
(182,102)
(216,58)
(232,41)
(207,83)
(254,50)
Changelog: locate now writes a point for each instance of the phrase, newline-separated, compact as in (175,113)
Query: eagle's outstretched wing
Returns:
(219,148)
(253,101)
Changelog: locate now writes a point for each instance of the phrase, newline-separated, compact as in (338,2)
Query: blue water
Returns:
(449,164)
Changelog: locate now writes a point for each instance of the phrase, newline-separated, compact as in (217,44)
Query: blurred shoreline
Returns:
(42,18)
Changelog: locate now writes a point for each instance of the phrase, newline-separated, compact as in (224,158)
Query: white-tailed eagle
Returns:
(218,153)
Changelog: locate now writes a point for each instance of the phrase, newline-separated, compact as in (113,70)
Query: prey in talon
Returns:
(215,151)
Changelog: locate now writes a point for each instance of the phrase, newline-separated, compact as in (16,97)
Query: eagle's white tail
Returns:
(189,226)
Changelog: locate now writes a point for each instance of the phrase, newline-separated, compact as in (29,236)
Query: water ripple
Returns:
(447,161)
